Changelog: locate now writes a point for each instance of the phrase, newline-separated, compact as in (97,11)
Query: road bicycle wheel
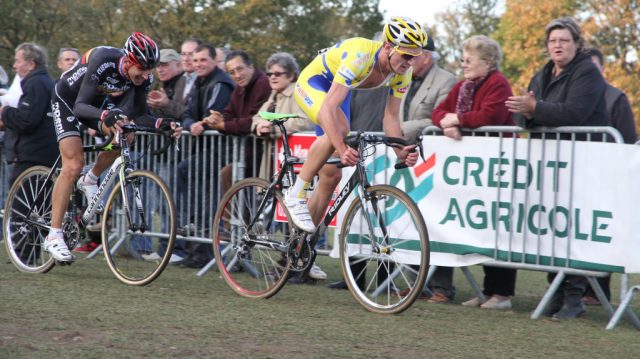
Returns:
(385,266)
(253,262)
(139,228)
(25,231)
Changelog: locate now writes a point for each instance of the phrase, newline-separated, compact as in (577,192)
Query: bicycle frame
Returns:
(119,166)
(286,169)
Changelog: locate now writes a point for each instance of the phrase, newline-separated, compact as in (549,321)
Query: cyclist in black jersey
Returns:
(102,75)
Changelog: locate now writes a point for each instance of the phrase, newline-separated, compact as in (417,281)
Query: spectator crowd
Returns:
(209,88)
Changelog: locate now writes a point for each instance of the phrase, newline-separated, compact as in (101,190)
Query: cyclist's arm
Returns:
(83,108)
(85,104)
(391,120)
(329,114)
(391,123)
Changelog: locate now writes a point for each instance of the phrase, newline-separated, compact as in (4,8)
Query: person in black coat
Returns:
(568,91)
(29,133)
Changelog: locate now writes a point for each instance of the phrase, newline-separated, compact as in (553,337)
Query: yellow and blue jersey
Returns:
(347,63)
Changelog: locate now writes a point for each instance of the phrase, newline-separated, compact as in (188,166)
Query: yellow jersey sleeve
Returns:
(350,62)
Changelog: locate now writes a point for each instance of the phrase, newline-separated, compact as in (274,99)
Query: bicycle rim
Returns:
(138,240)
(386,269)
(253,262)
(24,241)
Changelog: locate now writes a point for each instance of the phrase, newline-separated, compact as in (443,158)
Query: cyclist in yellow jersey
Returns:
(323,91)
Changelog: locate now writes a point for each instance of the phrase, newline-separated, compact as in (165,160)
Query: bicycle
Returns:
(138,212)
(257,246)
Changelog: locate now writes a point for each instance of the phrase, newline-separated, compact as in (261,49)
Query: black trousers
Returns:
(499,280)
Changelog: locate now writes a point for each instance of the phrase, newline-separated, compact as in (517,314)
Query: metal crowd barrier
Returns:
(551,135)
(185,176)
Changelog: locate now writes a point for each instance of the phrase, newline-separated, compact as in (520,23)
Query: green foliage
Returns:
(467,18)
(611,26)
(260,27)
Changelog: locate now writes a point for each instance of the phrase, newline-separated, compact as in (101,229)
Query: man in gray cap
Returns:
(169,100)
(429,86)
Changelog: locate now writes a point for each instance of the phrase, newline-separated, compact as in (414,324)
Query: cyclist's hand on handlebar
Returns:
(114,118)
(408,155)
(349,156)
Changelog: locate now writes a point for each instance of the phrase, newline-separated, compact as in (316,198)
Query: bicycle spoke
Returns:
(139,228)
(27,213)
(384,250)
(252,260)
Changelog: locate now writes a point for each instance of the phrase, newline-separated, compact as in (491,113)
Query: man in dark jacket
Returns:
(618,106)
(252,91)
(30,137)
(211,92)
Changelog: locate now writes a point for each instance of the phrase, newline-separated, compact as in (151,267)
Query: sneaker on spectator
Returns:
(299,211)
(87,247)
(405,292)
(569,312)
(438,298)
(58,249)
(89,191)
(176,259)
(497,303)
(317,273)
(151,257)
(473,302)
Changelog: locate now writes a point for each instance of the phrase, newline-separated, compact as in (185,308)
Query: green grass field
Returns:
(82,311)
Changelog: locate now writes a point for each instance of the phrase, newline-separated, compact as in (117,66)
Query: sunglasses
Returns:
(406,56)
(276,74)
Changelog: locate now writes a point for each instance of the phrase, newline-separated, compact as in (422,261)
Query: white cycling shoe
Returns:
(299,211)
(89,191)
(58,249)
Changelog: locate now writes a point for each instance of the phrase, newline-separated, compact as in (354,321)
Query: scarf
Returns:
(467,91)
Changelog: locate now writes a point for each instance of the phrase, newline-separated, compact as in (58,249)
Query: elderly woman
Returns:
(476,101)
(283,71)
(568,91)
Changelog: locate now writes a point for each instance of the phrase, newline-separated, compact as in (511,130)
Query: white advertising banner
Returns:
(520,200)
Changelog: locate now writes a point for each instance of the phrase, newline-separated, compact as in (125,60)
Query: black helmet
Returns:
(141,50)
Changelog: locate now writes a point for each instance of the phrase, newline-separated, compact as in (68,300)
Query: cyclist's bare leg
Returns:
(72,163)
(319,153)
(323,147)
(329,177)
(103,161)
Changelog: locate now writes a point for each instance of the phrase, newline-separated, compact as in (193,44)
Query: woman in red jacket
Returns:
(479,100)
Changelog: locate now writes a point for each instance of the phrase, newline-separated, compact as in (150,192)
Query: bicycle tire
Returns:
(398,272)
(24,241)
(250,269)
(137,256)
